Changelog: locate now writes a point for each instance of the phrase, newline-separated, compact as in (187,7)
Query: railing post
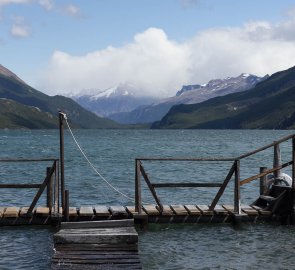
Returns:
(49,190)
(277,159)
(56,189)
(62,170)
(293,182)
(67,206)
(237,195)
(263,188)
(137,187)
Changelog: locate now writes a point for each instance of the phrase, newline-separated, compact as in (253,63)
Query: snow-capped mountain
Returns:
(189,94)
(118,99)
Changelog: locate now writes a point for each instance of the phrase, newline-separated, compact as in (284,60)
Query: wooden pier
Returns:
(12,216)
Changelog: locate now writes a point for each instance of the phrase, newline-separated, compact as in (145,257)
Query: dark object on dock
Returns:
(96,245)
(278,200)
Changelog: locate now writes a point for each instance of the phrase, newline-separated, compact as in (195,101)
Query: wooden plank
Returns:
(261,211)
(118,210)
(86,211)
(249,210)
(101,211)
(151,210)
(205,210)
(2,210)
(230,208)
(192,210)
(219,210)
(167,211)
(108,236)
(42,211)
(11,212)
(131,210)
(24,211)
(179,210)
(73,211)
(97,224)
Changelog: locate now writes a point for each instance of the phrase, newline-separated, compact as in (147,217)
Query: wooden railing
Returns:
(233,171)
(51,182)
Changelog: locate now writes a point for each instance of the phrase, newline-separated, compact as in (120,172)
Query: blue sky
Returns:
(61,46)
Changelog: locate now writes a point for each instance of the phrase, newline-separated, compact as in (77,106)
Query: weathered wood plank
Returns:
(24,211)
(192,210)
(109,236)
(167,211)
(179,210)
(205,210)
(219,210)
(262,211)
(131,210)
(73,211)
(249,210)
(230,208)
(42,211)
(11,211)
(118,210)
(97,224)
(86,211)
(2,210)
(101,211)
(151,210)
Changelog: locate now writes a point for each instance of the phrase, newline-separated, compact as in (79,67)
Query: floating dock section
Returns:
(96,245)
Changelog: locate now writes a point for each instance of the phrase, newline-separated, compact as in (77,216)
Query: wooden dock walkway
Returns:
(96,245)
(149,214)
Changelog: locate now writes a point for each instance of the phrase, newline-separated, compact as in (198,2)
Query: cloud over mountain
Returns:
(159,66)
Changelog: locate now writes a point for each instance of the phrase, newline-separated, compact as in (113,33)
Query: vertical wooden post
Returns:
(49,190)
(293,164)
(56,188)
(263,188)
(67,206)
(277,159)
(237,195)
(137,187)
(61,148)
(292,221)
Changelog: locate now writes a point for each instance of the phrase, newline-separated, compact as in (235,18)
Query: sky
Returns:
(69,46)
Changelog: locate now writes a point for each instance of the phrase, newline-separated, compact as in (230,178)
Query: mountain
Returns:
(119,99)
(22,100)
(269,105)
(189,94)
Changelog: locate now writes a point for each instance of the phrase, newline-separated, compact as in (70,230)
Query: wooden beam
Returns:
(185,185)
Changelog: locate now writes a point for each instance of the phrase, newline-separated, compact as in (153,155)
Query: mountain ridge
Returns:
(270,105)
(14,89)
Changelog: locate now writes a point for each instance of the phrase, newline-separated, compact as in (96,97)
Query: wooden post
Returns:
(277,159)
(292,221)
(237,200)
(263,188)
(67,206)
(49,190)
(137,187)
(62,169)
(56,189)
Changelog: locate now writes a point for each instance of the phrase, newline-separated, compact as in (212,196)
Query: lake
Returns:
(112,152)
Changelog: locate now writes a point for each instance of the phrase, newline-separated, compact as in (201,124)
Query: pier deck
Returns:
(149,214)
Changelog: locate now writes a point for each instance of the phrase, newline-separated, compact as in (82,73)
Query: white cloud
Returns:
(71,10)
(8,2)
(19,28)
(159,66)
(46,4)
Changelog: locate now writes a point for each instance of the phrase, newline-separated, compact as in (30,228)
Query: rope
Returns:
(92,166)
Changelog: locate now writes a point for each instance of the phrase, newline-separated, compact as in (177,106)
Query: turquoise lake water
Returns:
(250,246)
